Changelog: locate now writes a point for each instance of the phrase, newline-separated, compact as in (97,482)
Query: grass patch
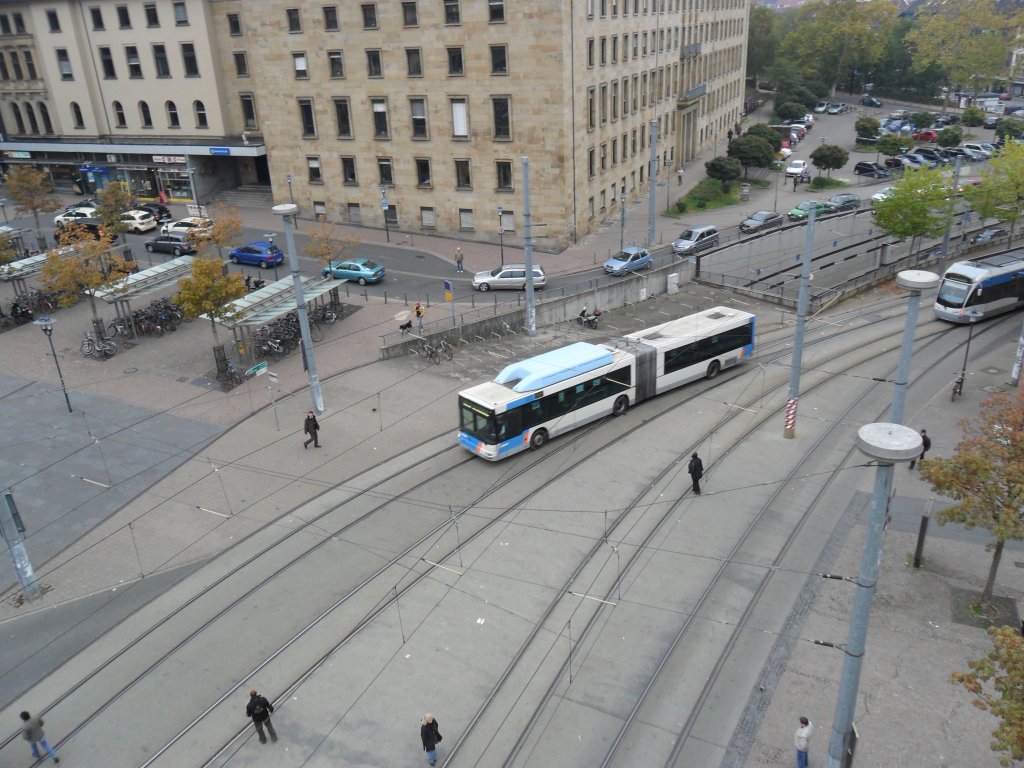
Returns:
(824,182)
(707,196)
(760,183)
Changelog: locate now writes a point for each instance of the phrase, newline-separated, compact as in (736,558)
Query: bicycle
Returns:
(429,352)
(232,374)
(446,349)
(105,347)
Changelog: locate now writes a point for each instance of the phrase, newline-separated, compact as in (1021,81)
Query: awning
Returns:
(274,300)
(148,280)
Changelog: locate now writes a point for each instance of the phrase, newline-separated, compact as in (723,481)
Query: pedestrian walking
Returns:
(926,443)
(696,470)
(311,428)
(420,312)
(32,731)
(259,709)
(430,736)
(796,180)
(458,259)
(801,738)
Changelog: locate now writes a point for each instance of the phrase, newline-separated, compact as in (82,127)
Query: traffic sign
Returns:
(383,203)
(501,230)
(448,290)
(257,369)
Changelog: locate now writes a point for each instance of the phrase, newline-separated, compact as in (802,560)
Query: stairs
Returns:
(246,196)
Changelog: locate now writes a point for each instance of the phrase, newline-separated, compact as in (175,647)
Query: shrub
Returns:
(681,206)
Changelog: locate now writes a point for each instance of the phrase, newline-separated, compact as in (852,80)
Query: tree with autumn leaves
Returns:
(32,192)
(325,245)
(210,291)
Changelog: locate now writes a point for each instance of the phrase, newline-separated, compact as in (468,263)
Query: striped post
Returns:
(789,431)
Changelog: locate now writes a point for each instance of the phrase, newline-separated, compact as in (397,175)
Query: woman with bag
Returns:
(430,736)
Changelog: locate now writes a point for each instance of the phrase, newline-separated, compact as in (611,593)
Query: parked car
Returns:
(629,259)
(925,134)
(974,155)
(1005,96)
(821,107)
(988,235)
(88,202)
(808,119)
(160,212)
(260,252)
(175,243)
(843,202)
(695,239)
(510,276)
(362,271)
(893,162)
(990,121)
(900,114)
(838,108)
(870,101)
(796,168)
(915,161)
(802,211)
(931,155)
(187,225)
(883,194)
(761,220)
(138,221)
(874,170)
(73,215)
(979,148)
(94,227)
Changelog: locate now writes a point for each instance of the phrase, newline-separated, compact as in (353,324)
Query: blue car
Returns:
(362,271)
(261,253)
(629,259)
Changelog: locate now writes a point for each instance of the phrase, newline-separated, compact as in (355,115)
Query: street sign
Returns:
(272,376)
(501,230)
(383,203)
(257,369)
(448,290)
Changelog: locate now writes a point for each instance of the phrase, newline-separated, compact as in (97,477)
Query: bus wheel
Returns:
(538,438)
(621,405)
(714,369)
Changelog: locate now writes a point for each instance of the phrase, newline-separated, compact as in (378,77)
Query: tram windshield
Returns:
(953,290)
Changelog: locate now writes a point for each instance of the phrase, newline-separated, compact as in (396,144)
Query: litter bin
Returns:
(744,191)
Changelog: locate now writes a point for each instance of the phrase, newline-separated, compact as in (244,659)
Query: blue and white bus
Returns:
(543,396)
(979,288)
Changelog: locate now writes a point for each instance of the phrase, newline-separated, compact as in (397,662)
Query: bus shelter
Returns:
(142,283)
(18,272)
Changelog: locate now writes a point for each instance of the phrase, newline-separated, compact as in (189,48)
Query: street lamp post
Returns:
(501,234)
(270,239)
(622,218)
(291,196)
(3,208)
(46,325)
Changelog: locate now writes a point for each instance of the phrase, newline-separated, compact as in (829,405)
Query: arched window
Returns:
(18,118)
(76,115)
(172,115)
(119,115)
(144,115)
(45,114)
(200,111)
(33,123)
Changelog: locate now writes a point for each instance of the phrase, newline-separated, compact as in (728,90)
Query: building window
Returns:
(313,167)
(152,18)
(124,21)
(428,219)
(160,61)
(460,118)
(604,158)
(107,64)
(144,115)
(465,218)
(507,221)
(590,52)
(463,179)
(503,170)
(348,170)
(16,66)
(336,63)
(414,62)
(97,19)
(188,57)
(344,118)
(64,65)
(5,26)
(33,123)
(369,15)
(496,9)
(76,115)
(591,108)
(591,163)
(180,14)
(380,118)
(19,24)
(590,208)
(30,65)
(249,110)
(385,171)
(418,110)
(200,112)
(131,54)
(241,64)
(354,213)
(307,118)
(53,20)
(331,18)
(502,117)
(455,63)
(409,17)
(452,14)
(374,68)
(172,115)
(4,74)
(119,120)
(422,172)
(320,209)
(17,118)
(499,60)
(234,25)
(604,51)
(299,63)
(294,20)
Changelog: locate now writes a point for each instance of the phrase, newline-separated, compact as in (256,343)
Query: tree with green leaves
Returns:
(1000,195)
(1009,128)
(762,28)
(752,152)
(892,144)
(867,127)
(790,111)
(766,133)
(32,192)
(8,252)
(920,204)
(724,169)
(972,116)
(997,682)
(950,136)
(829,157)
(209,291)
(922,120)
(983,476)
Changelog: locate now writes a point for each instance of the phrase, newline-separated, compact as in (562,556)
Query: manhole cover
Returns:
(992,370)
(130,370)
(182,379)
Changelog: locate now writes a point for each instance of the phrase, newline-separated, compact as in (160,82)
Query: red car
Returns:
(926,135)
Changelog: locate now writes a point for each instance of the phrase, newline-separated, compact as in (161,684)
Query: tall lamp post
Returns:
(622,217)
(270,239)
(3,208)
(501,233)
(291,196)
(46,325)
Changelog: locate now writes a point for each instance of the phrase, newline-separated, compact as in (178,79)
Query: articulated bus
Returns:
(983,287)
(543,396)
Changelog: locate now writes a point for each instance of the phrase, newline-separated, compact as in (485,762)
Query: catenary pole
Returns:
(789,429)
(531,313)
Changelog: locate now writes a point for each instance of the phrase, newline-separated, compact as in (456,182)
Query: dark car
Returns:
(874,170)
(160,212)
(68,233)
(990,121)
(761,220)
(175,243)
(932,155)
(988,235)
(87,202)
(870,101)
(843,202)
(259,253)
(893,162)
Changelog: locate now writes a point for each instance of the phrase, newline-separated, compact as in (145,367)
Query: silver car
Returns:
(509,276)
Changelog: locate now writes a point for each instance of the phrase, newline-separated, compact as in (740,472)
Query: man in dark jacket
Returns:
(430,735)
(926,443)
(311,428)
(696,470)
(259,709)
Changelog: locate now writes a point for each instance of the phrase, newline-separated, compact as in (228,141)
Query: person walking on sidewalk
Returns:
(420,312)
(259,709)
(696,470)
(32,731)
(801,738)
(430,736)
(458,259)
(926,443)
(311,428)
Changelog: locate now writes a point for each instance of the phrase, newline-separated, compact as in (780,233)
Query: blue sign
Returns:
(447,285)
(220,150)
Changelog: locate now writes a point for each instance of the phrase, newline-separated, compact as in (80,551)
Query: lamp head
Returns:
(501,210)
(45,324)
(288,178)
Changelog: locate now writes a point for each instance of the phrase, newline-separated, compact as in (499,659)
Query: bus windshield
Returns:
(475,420)
(953,291)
